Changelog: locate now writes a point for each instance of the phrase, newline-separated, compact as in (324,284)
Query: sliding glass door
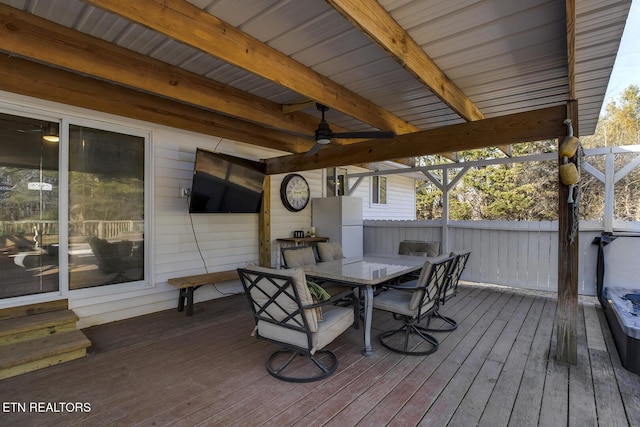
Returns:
(103,202)
(29,206)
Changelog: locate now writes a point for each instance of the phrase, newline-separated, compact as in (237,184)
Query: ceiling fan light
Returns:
(323,140)
(51,133)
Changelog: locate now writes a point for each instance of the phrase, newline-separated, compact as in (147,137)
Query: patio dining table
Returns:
(366,273)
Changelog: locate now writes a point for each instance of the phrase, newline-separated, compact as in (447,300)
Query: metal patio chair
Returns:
(450,290)
(286,315)
(412,302)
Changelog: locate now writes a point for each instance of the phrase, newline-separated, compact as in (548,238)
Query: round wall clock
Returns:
(294,192)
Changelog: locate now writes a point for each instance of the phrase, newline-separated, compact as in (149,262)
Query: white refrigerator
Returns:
(340,219)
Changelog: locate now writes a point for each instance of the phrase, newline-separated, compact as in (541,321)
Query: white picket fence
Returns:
(509,253)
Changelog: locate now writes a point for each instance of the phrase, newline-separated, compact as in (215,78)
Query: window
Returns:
(106,207)
(379,190)
(336,182)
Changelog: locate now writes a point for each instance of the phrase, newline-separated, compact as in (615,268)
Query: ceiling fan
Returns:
(324,134)
(49,132)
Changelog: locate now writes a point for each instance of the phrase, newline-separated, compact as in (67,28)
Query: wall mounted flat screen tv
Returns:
(226,184)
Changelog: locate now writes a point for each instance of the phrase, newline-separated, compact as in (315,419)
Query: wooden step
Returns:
(39,353)
(31,309)
(25,328)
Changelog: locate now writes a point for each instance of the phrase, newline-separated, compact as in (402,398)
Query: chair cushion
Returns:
(406,302)
(336,321)
(397,301)
(287,304)
(419,248)
(329,251)
(298,257)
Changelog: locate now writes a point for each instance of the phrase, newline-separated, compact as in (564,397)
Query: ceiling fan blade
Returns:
(381,134)
(313,150)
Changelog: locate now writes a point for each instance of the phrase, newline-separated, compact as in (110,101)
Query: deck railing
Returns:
(101,229)
(510,253)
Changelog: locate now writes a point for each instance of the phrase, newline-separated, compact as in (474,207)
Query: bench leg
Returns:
(190,300)
(186,293)
(182,294)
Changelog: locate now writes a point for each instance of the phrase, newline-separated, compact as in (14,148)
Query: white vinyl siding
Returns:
(401,198)
(226,241)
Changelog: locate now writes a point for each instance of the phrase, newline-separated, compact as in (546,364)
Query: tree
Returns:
(508,191)
(529,191)
(619,126)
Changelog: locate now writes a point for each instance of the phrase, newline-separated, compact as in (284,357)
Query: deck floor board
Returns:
(498,409)
(497,369)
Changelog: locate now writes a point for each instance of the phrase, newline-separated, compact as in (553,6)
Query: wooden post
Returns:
(264,225)
(444,238)
(567,310)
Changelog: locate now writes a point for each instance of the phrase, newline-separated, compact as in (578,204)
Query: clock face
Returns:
(294,192)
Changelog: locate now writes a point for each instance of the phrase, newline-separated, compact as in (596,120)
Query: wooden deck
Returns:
(497,369)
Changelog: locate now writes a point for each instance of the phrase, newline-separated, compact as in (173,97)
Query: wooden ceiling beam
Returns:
(297,106)
(373,19)
(504,130)
(26,35)
(188,24)
(40,81)
(30,36)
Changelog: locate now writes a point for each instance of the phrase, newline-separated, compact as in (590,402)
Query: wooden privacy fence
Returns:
(509,253)
(513,253)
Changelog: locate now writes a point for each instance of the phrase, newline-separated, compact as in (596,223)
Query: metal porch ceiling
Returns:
(506,56)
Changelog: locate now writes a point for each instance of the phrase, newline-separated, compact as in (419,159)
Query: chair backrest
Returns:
(298,256)
(112,257)
(329,251)
(460,261)
(419,248)
(433,278)
(277,299)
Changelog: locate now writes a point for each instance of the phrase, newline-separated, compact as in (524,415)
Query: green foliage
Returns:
(620,124)
(529,191)
(512,191)
(106,198)
(317,291)
(21,203)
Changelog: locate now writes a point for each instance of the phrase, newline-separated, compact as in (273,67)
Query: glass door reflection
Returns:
(29,232)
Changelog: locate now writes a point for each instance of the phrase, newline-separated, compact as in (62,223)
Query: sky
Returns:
(626,69)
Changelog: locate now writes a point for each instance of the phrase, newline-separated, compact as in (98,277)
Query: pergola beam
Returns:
(26,35)
(40,81)
(372,19)
(188,24)
(534,125)
(29,36)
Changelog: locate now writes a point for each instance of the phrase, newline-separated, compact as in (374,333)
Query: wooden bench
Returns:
(188,284)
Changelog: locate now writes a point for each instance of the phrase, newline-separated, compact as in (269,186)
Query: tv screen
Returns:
(226,184)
